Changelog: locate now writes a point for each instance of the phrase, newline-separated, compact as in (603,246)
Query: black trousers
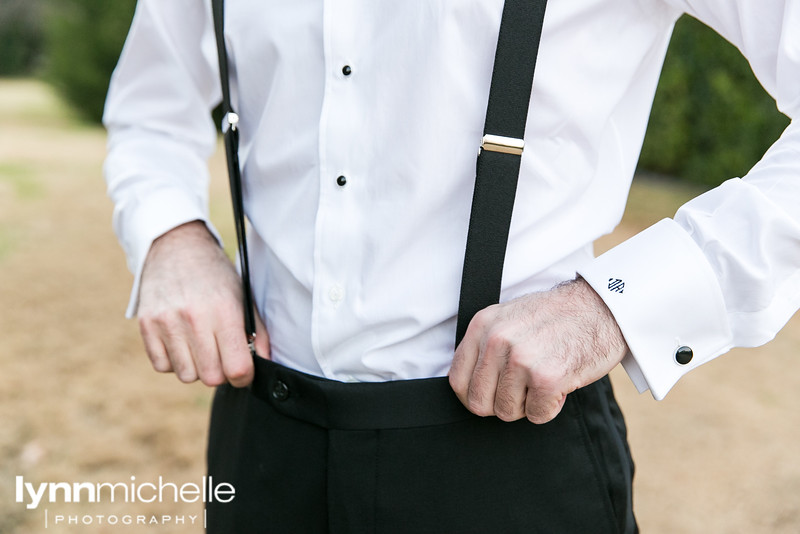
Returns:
(311,455)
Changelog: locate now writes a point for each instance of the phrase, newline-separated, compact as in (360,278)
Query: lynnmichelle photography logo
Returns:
(38,496)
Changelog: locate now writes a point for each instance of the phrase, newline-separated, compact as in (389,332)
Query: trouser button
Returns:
(280,391)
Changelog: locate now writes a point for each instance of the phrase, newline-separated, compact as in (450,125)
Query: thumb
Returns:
(262,338)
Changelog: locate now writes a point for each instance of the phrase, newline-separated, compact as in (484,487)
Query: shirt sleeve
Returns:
(725,271)
(160,133)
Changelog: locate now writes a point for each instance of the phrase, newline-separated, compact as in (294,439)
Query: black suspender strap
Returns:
(499,158)
(230,131)
(497,167)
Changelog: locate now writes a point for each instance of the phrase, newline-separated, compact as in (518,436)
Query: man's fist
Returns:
(521,358)
(190,310)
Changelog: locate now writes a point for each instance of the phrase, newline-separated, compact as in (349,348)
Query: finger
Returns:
(237,362)
(180,357)
(206,357)
(461,369)
(512,390)
(542,407)
(262,339)
(154,347)
(171,333)
(492,359)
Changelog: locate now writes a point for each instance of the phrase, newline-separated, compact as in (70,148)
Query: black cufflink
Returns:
(684,355)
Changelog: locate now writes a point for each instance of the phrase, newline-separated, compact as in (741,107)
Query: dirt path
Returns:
(79,403)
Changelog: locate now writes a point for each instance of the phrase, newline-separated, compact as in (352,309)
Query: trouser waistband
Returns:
(358,405)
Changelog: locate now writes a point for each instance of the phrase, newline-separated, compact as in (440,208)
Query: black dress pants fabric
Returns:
(310,455)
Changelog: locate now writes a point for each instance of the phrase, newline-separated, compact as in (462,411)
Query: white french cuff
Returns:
(667,302)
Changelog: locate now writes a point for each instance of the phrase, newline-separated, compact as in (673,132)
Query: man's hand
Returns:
(190,310)
(521,358)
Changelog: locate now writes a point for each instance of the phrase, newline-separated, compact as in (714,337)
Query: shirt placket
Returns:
(337,213)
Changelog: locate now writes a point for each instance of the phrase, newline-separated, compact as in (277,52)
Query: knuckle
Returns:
(543,409)
(165,323)
(186,373)
(457,383)
(187,377)
(518,359)
(542,415)
(480,411)
(546,380)
(209,372)
(212,379)
(186,315)
(160,364)
(158,359)
(497,342)
(146,323)
(537,419)
(479,320)
(506,416)
(478,407)
(506,410)
(483,319)
(239,371)
(156,318)
(503,411)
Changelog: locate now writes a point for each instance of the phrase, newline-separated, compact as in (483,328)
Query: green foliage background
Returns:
(21,36)
(711,119)
(83,41)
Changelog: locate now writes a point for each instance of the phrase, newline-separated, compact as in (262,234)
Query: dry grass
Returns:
(80,403)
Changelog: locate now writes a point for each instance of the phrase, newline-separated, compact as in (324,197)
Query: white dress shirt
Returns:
(360,281)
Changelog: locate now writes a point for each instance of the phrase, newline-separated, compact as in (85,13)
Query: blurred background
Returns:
(79,402)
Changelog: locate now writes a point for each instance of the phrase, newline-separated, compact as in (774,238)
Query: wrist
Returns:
(195,230)
(608,334)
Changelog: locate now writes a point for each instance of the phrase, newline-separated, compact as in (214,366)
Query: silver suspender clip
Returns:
(506,145)
(229,121)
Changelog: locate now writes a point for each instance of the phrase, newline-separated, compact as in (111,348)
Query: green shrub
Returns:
(711,119)
(84,40)
(20,36)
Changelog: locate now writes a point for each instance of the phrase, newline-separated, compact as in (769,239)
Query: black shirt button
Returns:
(280,391)
(684,355)
(346,70)
(341,180)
